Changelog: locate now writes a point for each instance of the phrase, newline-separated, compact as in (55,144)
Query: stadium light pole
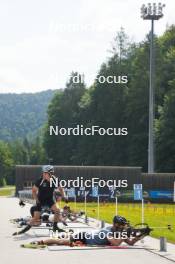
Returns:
(151,12)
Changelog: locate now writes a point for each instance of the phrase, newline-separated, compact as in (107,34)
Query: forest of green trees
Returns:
(21,120)
(110,105)
(22,115)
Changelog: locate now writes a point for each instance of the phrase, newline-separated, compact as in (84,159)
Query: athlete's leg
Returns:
(36,219)
(57,218)
(33,209)
(57,215)
(53,241)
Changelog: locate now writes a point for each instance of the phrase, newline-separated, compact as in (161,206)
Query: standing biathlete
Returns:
(43,193)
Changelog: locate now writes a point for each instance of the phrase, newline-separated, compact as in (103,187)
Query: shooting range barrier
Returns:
(157,187)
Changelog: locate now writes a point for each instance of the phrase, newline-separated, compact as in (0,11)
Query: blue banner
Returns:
(160,194)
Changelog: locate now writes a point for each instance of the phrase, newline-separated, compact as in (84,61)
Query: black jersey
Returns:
(45,189)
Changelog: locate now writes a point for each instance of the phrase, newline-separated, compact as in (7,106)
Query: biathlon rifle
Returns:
(143,229)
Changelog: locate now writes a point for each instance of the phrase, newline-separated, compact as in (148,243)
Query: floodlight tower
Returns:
(151,12)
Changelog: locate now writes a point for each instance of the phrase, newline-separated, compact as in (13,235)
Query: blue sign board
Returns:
(95,191)
(71,192)
(138,195)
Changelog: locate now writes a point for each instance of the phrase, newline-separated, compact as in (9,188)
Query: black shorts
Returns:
(80,237)
(44,203)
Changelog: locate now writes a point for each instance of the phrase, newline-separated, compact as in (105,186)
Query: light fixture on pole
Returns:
(151,12)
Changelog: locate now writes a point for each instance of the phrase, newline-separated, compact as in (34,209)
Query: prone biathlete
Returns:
(47,216)
(72,216)
(43,194)
(111,236)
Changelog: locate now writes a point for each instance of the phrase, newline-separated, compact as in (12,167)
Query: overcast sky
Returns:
(42,41)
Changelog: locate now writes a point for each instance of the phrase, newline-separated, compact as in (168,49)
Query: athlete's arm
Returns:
(131,242)
(114,241)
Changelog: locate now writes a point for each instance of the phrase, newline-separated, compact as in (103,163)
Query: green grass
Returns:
(156,215)
(7,191)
